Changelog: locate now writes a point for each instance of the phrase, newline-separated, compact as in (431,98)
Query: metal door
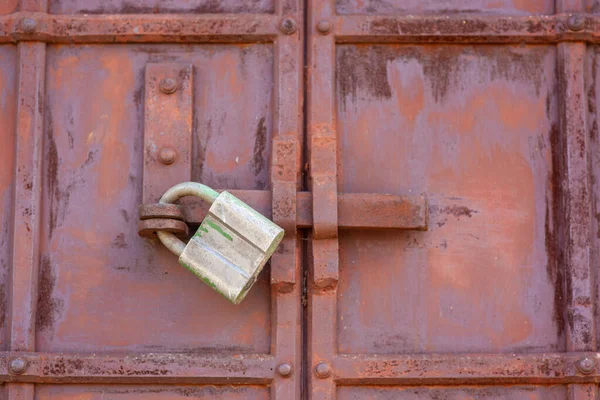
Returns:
(437,187)
(487,110)
(92,310)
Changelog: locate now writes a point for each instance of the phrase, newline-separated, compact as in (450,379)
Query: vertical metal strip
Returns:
(28,188)
(580,330)
(167,140)
(575,201)
(285,178)
(323,178)
(323,145)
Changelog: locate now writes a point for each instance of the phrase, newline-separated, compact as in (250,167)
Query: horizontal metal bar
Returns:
(139,368)
(177,28)
(466,28)
(355,210)
(143,28)
(401,369)
(463,369)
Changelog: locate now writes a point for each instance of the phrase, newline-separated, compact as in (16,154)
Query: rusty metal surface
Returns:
(87,152)
(347,370)
(486,165)
(93,170)
(497,257)
(8,57)
(141,368)
(9,6)
(454,393)
(151,28)
(168,92)
(156,7)
(593,87)
(160,210)
(149,227)
(387,7)
(27,192)
(193,28)
(153,392)
(355,210)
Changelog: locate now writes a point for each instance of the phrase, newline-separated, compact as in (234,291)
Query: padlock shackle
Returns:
(169,240)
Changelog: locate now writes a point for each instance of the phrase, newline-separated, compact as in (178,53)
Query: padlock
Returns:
(230,247)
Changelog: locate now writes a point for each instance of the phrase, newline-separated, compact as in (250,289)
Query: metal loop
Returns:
(169,240)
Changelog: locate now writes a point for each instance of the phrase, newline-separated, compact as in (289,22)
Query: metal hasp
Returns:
(232,244)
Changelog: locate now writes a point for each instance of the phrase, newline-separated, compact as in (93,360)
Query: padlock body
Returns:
(231,247)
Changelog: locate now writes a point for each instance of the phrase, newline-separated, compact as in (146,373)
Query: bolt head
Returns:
(28,25)
(284,369)
(167,155)
(17,366)
(168,85)
(288,26)
(586,365)
(324,27)
(323,370)
(576,22)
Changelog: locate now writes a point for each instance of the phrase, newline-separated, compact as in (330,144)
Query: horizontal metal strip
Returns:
(144,28)
(448,28)
(136,368)
(154,28)
(466,369)
(355,210)
(421,369)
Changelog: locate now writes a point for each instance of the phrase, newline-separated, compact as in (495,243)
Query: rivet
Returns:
(167,155)
(323,370)
(324,27)
(284,369)
(28,25)
(168,85)
(586,365)
(17,366)
(287,26)
(575,22)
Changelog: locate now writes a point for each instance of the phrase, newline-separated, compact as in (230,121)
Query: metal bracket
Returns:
(167,128)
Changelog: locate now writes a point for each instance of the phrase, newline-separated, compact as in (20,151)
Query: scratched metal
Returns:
(390,7)
(471,127)
(7,142)
(158,6)
(150,392)
(102,287)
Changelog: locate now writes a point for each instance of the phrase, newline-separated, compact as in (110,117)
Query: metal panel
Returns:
(79,159)
(497,138)
(94,176)
(471,127)
(451,189)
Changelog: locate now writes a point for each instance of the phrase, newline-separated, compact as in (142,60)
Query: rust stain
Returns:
(119,242)
(48,306)
(260,144)
(553,211)
(367,67)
